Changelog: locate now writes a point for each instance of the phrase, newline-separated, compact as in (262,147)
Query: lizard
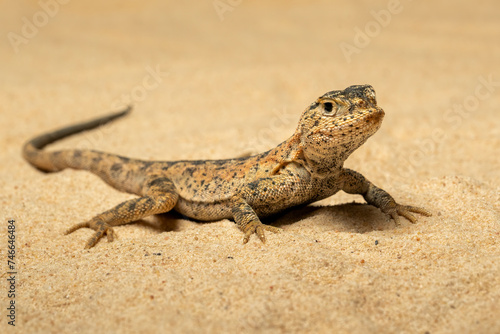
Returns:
(305,168)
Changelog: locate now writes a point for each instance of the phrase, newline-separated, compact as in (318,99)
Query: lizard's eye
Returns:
(328,107)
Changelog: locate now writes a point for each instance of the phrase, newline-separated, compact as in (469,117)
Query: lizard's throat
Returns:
(326,164)
(324,156)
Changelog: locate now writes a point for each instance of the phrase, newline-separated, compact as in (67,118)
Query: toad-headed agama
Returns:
(305,168)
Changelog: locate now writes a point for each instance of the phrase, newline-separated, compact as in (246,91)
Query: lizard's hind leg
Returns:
(159,196)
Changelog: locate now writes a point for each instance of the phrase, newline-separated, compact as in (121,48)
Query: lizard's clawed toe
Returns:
(258,228)
(406,211)
(100,228)
(108,230)
(76,227)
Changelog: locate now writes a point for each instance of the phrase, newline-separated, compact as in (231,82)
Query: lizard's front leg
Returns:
(282,190)
(248,221)
(355,183)
(159,196)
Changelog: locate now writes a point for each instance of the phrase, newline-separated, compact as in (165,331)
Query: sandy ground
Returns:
(216,79)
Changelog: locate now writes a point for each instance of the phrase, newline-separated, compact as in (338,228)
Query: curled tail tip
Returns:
(123,112)
(128,109)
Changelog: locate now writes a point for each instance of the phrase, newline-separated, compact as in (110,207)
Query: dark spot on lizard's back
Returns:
(189,171)
(158,182)
(96,160)
(117,167)
(147,164)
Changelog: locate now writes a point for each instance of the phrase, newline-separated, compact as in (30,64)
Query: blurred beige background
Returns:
(215,79)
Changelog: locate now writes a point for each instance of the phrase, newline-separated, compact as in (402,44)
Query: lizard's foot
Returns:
(406,211)
(258,228)
(100,228)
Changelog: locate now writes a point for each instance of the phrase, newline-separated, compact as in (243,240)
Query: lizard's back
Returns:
(206,187)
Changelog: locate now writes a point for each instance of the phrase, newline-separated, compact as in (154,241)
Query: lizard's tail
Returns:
(58,160)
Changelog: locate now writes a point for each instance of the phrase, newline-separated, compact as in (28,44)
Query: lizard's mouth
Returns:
(370,123)
(375,116)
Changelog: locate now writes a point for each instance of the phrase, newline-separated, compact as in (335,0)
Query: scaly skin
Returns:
(303,169)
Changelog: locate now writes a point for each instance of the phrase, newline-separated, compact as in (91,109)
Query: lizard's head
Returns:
(339,122)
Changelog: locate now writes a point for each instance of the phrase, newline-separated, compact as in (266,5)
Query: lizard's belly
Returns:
(210,211)
(216,211)
(266,208)
(207,211)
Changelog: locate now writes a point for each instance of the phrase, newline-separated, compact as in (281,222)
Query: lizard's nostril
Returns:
(375,115)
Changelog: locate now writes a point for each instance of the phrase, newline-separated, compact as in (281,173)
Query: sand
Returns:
(216,79)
